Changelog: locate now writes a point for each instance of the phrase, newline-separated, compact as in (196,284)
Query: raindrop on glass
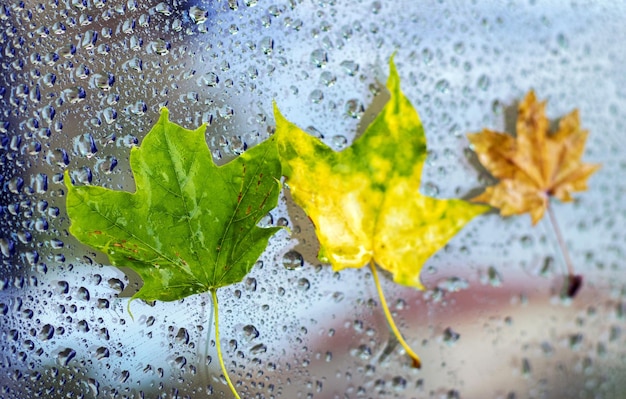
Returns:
(293,260)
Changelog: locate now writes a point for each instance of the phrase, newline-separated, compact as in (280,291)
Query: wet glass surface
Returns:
(82,81)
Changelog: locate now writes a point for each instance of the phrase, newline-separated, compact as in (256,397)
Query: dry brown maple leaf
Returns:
(534,165)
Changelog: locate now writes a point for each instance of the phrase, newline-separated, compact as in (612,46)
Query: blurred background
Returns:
(82,82)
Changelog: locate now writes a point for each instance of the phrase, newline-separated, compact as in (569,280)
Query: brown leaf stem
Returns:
(574,281)
(416,360)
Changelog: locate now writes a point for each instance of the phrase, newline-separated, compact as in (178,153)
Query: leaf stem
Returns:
(559,238)
(416,360)
(574,281)
(217,343)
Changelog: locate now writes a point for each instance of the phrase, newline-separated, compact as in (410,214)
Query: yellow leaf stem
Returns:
(217,343)
(417,363)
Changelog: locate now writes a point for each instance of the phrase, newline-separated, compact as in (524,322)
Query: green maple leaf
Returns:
(191,226)
(365,201)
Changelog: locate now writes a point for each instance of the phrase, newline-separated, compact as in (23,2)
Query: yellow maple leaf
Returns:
(534,165)
(365,201)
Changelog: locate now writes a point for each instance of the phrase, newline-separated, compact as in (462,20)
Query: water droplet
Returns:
(24,236)
(484,82)
(144,21)
(575,341)
(442,86)
(233,29)
(109,114)
(62,287)
(526,369)
(250,332)
(198,15)
(83,293)
(82,71)
(210,79)
(89,39)
(107,164)
(266,221)
(338,296)
(459,48)
(546,348)
(163,8)
(67,51)
(103,303)
(398,383)
(358,326)
(116,284)
(74,95)
(253,72)
(134,63)
(58,157)
(258,349)
(293,260)
(49,79)
(180,362)
(493,277)
(304,284)
(138,108)
(47,114)
(102,81)
(339,142)
(376,7)
(32,257)
(316,96)
(124,375)
(7,247)
(453,284)
(350,67)
(161,46)
(102,353)
(319,58)
(275,10)
(94,386)
(41,225)
(85,145)
(250,284)
(354,108)
(65,356)
(453,394)
(328,79)
(430,189)
(450,336)
(527,241)
(182,337)
(547,269)
(363,352)
(46,332)
(267,45)
(15,185)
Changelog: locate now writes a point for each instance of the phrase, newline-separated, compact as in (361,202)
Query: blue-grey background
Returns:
(82,81)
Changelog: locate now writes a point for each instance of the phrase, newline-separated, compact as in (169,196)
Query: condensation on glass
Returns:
(81,83)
